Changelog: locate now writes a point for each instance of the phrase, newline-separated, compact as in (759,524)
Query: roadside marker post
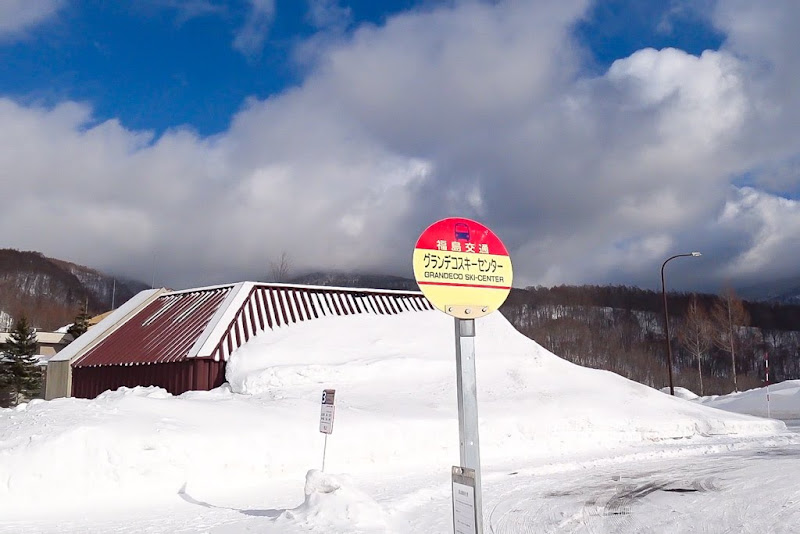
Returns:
(326,419)
(766,366)
(465,271)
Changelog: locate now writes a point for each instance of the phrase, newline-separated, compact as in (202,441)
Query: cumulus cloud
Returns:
(17,16)
(469,109)
(771,226)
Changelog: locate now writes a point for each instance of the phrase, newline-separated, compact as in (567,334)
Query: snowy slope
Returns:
(784,401)
(396,413)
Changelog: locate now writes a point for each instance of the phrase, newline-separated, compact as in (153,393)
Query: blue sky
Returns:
(209,137)
(156,65)
(159,64)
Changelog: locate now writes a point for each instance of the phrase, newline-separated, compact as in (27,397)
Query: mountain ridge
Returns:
(50,291)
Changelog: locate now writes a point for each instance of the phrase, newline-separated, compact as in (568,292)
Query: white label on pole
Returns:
(326,419)
(463,509)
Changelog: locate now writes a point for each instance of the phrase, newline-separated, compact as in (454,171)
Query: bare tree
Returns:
(728,315)
(279,270)
(695,335)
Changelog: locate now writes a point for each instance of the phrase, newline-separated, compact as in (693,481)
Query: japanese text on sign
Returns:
(460,263)
(464,267)
(326,419)
(458,246)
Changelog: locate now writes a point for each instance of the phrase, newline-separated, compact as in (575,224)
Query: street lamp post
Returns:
(666,315)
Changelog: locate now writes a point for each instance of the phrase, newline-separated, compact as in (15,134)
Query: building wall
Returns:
(175,377)
(45,349)
(50,350)
(59,380)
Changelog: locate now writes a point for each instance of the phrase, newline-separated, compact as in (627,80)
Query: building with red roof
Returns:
(181,340)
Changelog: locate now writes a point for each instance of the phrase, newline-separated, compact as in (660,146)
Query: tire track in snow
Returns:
(601,504)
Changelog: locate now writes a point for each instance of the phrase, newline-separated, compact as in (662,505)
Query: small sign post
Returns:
(464,269)
(465,513)
(326,419)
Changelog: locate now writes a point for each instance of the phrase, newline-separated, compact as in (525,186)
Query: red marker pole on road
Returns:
(766,366)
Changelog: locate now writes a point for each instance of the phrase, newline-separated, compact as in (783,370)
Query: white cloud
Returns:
(474,109)
(329,14)
(250,38)
(17,16)
(186,9)
(771,226)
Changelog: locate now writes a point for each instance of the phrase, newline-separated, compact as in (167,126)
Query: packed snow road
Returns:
(723,486)
(753,490)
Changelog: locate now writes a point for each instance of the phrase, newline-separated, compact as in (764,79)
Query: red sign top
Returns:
(457,234)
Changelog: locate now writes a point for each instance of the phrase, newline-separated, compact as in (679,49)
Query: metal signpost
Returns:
(464,269)
(326,419)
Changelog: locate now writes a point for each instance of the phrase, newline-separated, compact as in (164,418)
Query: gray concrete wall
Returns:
(59,380)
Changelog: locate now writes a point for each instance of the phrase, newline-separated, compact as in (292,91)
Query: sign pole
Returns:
(326,419)
(467,388)
(465,271)
(324,451)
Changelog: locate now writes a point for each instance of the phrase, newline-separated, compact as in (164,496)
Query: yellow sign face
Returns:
(462,268)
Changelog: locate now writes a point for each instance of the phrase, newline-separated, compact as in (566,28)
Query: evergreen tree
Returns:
(81,323)
(21,374)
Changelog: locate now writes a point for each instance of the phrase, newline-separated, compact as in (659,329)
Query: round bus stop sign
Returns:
(462,267)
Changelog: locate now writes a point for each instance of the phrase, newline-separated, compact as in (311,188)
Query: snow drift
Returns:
(784,401)
(396,412)
(333,504)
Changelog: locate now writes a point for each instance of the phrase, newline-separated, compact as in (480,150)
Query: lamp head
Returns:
(696,254)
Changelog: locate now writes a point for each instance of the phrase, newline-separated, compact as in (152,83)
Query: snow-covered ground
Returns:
(779,401)
(244,457)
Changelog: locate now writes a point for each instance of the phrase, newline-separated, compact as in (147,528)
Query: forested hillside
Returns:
(621,329)
(51,292)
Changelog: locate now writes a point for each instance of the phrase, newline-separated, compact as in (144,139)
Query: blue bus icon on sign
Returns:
(462,232)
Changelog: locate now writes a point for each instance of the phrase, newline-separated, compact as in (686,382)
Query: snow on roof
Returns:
(160,332)
(106,326)
(213,321)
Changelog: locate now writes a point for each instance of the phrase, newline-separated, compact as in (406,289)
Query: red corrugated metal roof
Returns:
(273,306)
(167,329)
(162,332)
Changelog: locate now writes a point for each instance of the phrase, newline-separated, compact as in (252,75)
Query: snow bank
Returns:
(784,401)
(395,413)
(333,504)
(146,443)
(681,393)
(401,370)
